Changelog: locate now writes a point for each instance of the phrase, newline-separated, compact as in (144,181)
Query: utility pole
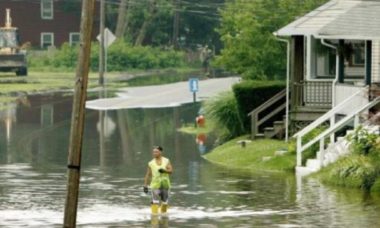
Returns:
(176,23)
(78,114)
(101,47)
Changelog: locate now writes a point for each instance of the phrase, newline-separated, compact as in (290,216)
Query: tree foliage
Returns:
(151,22)
(247,27)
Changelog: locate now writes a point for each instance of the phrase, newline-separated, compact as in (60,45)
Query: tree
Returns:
(246,30)
(199,20)
(152,11)
(122,19)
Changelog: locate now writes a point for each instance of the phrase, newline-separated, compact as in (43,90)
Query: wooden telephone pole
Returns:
(78,114)
(101,46)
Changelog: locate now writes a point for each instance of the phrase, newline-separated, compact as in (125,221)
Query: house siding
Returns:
(26,15)
(376,61)
(343,91)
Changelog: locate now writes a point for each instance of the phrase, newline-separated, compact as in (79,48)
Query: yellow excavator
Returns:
(12,58)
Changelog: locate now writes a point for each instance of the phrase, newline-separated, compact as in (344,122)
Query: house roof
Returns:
(339,19)
(360,22)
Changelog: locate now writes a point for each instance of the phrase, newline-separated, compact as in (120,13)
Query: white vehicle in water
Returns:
(12,58)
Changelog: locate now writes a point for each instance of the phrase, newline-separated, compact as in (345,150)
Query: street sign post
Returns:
(109,38)
(194,87)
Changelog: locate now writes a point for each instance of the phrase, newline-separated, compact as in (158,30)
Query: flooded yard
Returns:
(117,147)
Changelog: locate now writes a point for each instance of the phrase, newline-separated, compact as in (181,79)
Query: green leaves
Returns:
(223,114)
(247,27)
(122,56)
(364,142)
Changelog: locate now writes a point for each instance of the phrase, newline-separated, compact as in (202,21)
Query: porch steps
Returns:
(277,131)
(260,136)
(332,153)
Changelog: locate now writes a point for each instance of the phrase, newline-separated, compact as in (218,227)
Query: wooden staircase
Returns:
(272,108)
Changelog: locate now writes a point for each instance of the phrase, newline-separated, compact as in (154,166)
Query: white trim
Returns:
(51,9)
(346,37)
(71,38)
(46,33)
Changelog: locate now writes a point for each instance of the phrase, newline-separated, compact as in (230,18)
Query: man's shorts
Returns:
(160,195)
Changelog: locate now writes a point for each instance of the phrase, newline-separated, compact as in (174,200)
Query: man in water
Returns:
(158,173)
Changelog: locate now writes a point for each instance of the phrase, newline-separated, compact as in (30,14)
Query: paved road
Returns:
(168,95)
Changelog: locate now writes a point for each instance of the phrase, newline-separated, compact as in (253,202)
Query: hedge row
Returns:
(122,56)
(251,94)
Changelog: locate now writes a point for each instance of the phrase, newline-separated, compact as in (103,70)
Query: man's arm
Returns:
(169,168)
(147,176)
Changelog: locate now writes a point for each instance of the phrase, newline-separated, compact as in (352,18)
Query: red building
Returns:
(46,23)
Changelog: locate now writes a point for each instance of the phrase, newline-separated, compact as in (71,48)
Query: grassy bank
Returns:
(256,156)
(190,129)
(354,171)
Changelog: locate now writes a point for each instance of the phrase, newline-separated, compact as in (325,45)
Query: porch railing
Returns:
(313,94)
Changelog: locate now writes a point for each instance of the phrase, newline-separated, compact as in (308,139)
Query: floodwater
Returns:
(117,146)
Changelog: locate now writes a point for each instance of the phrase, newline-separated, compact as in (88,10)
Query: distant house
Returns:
(46,23)
(334,76)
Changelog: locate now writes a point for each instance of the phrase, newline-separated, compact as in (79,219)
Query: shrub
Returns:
(376,185)
(251,94)
(356,171)
(122,56)
(363,142)
(222,112)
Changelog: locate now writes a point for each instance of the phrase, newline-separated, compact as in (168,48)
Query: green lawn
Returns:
(232,155)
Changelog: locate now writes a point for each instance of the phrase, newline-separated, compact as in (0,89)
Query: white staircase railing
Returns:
(330,116)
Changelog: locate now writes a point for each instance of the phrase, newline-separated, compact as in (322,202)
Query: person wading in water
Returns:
(158,173)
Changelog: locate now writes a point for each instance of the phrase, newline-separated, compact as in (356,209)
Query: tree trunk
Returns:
(122,19)
(151,14)
(176,24)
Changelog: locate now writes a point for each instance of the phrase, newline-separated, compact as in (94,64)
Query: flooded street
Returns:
(117,147)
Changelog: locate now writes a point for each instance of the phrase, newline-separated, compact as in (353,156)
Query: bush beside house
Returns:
(251,94)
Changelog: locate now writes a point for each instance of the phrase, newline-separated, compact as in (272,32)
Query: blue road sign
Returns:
(194,85)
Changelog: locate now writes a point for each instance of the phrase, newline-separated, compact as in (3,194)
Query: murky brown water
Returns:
(33,153)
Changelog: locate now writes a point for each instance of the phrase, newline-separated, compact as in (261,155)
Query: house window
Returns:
(47,39)
(47,9)
(320,59)
(74,38)
(325,61)
(354,59)
(358,54)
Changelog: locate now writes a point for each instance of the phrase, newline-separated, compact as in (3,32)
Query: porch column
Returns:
(297,69)
(368,62)
(341,62)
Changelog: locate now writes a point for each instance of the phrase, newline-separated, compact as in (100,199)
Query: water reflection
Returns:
(159,221)
(117,147)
